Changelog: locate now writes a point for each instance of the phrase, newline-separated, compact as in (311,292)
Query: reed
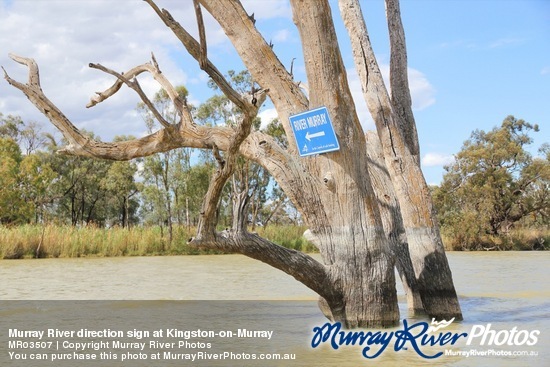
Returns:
(287,236)
(41,241)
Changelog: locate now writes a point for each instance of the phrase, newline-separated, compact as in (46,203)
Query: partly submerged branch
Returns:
(302,267)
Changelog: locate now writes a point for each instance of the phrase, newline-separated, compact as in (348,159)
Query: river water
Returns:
(504,289)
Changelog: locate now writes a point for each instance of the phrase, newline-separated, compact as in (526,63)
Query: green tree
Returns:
(121,191)
(164,174)
(27,135)
(25,182)
(493,184)
(13,207)
(80,198)
(197,184)
(36,181)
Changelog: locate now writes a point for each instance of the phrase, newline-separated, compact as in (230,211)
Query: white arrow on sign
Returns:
(315,135)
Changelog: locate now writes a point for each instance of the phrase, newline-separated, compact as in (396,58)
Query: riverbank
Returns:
(52,241)
(38,241)
(519,239)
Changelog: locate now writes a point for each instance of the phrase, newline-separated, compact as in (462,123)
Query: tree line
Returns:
(494,185)
(165,189)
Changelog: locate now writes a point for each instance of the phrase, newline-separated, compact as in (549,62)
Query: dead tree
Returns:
(334,192)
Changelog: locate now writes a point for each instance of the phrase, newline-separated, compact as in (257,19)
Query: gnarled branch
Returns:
(134,84)
(302,267)
(153,68)
(198,51)
(208,219)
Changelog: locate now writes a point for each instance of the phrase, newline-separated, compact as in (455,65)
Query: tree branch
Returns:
(198,51)
(301,266)
(202,35)
(133,84)
(208,219)
(125,78)
(33,91)
(258,57)
(399,82)
(79,144)
(372,83)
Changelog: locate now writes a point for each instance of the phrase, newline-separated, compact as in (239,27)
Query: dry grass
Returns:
(520,239)
(66,241)
(32,241)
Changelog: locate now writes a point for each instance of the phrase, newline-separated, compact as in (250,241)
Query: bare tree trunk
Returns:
(397,131)
(393,222)
(187,221)
(353,229)
(167,197)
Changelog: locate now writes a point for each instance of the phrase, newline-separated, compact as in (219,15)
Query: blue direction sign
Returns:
(314,132)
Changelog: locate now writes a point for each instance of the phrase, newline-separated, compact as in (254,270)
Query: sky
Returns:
(471,62)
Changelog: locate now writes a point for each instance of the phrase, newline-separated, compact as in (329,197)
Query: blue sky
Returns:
(471,62)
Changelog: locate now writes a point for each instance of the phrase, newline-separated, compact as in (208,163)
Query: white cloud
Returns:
(507,41)
(436,159)
(281,35)
(65,36)
(267,116)
(422,92)
(266,9)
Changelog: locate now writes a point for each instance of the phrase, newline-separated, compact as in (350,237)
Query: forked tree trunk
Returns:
(336,197)
(397,131)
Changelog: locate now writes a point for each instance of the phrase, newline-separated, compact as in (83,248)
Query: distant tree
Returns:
(13,207)
(121,192)
(494,183)
(11,127)
(164,173)
(36,182)
(197,183)
(121,196)
(80,198)
(27,135)
(25,182)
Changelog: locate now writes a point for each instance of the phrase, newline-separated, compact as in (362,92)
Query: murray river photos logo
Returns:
(419,337)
